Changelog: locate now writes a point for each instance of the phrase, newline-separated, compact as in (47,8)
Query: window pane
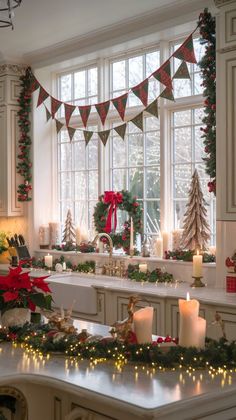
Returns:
(152,62)
(182,145)
(93,154)
(81,211)
(199,146)
(93,82)
(65,157)
(65,88)
(119,152)
(136,150)
(66,186)
(79,155)
(80,185)
(135,70)
(182,87)
(119,179)
(153,148)
(136,182)
(182,118)
(153,182)
(79,84)
(118,72)
(179,211)
(153,216)
(93,185)
(182,180)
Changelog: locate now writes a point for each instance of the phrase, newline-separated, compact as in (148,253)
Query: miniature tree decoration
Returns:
(69,230)
(196,228)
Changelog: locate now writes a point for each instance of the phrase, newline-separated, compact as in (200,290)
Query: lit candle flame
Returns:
(188,296)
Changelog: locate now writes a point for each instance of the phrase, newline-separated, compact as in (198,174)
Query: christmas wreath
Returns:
(106,211)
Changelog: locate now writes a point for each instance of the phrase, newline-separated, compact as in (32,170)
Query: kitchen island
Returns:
(59,388)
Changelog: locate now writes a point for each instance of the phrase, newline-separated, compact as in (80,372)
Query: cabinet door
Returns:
(100,316)
(81,413)
(158,306)
(228,317)
(172,317)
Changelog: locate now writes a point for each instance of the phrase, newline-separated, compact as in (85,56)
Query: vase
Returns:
(15,317)
(231,283)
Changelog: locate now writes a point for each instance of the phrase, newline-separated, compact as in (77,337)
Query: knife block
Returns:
(12,251)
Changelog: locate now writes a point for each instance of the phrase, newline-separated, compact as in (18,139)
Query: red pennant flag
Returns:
(71,132)
(69,109)
(84,113)
(120,104)
(43,95)
(163,74)
(186,51)
(55,105)
(102,110)
(59,125)
(141,91)
(34,84)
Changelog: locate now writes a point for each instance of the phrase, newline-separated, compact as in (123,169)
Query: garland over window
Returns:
(208,69)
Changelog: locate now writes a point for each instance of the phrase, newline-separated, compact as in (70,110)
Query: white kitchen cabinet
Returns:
(9,136)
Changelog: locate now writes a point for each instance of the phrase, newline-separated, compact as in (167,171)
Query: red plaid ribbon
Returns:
(114,199)
(230,284)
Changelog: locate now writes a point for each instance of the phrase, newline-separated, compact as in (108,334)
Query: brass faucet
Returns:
(100,235)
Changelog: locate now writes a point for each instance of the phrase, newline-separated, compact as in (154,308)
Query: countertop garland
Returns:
(40,340)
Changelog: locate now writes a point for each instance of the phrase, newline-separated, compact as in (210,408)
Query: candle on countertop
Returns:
(48,260)
(64,265)
(197,265)
(159,248)
(143,268)
(78,235)
(212,250)
(192,331)
(131,247)
(84,234)
(166,241)
(143,325)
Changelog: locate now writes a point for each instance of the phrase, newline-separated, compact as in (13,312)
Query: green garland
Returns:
(40,338)
(155,276)
(182,255)
(134,210)
(86,267)
(24,162)
(208,69)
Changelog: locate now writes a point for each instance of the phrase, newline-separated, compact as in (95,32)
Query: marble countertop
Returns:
(142,388)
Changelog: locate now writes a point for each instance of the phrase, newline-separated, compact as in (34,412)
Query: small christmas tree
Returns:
(196,228)
(69,230)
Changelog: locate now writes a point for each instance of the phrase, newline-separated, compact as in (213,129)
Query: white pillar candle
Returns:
(176,239)
(159,248)
(166,241)
(201,332)
(197,265)
(84,234)
(78,235)
(188,311)
(143,325)
(131,235)
(48,260)
(44,236)
(64,265)
(143,268)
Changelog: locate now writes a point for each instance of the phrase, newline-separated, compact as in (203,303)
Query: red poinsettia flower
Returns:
(31,305)
(8,296)
(40,284)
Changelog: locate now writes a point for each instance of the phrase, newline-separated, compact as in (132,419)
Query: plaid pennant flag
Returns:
(138,121)
(84,113)
(104,136)
(34,84)
(168,94)
(120,104)
(71,132)
(87,136)
(163,74)
(102,110)
(182,72)
(186,51)
(121,130)
(153,108)
(43,95)
(48,113)
(55,105)
(59,126)
(141,91)
(69,109)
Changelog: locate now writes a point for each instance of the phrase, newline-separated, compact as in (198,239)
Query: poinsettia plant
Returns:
(19,290)
(3,242)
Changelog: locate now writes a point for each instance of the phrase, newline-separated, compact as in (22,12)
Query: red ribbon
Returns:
(112,198)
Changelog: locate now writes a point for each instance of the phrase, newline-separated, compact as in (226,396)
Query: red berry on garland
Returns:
(213,107)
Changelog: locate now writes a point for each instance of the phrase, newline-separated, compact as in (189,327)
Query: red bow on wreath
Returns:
(112,198)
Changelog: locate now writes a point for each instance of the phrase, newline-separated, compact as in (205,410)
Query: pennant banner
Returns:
(102,110)
(69,109)
(104,136)
(34,84)
(138,121)
(84,113)
(43,95)
(120,104)
(186,51)
(48,114)
(55,105)
(167,94)
(141,91)
(87,136)
(59,126)
(121,130)
(152,108)
(182,72)
(71,132)
(163,74)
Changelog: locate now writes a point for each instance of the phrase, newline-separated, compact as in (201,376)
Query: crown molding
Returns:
(221,3)
(138,26)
